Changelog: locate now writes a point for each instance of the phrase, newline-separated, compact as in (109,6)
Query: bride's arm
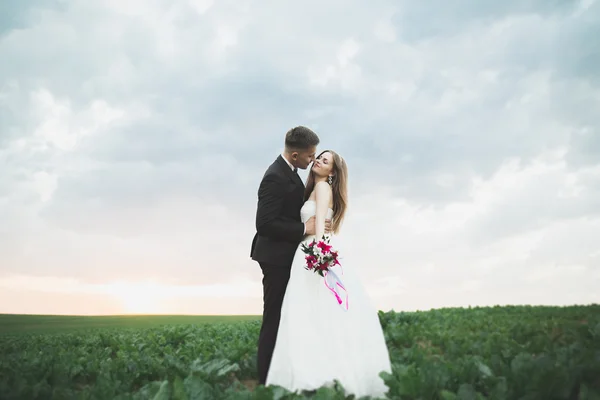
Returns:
(322,198)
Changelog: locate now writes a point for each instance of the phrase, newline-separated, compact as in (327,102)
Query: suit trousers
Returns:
(275,280)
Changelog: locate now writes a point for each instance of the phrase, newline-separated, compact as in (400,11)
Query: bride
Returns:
(321,340)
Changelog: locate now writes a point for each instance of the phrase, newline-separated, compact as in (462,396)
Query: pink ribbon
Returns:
(334,284)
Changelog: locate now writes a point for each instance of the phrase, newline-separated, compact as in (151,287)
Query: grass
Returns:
(27,323)
(495,353)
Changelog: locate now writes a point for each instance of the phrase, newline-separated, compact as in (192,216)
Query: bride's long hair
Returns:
(339,186)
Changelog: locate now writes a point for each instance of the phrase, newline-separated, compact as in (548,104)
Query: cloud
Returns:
(133,136)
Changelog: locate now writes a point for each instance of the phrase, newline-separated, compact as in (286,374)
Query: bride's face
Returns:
(323,164)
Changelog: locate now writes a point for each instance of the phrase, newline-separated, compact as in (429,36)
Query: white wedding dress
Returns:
(319,340)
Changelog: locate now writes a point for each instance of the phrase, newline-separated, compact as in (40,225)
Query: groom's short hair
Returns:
(300,138)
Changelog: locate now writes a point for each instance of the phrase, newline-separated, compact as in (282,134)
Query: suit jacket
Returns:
(279,228)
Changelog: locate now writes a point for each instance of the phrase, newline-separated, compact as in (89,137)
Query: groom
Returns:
(279,231)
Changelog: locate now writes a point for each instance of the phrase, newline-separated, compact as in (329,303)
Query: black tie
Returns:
(295,170)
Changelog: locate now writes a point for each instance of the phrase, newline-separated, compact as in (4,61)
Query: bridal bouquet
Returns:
(321,259)
(320,256)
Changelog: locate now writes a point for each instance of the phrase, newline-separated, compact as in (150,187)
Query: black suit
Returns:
(279,231)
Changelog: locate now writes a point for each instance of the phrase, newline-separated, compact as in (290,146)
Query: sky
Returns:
(134,134)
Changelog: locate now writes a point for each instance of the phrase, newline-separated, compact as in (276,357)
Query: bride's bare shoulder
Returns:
(321,191)
(324,193)
(322,187)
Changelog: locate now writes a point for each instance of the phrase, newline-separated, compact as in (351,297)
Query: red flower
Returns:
(325,248)
(321,260)
(310,261)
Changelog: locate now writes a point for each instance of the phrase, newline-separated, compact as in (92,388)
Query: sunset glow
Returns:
(20,294)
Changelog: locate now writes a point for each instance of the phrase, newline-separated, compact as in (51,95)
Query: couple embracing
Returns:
(309,338)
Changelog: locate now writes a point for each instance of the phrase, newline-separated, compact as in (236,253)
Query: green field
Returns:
(16,323)
(513,352)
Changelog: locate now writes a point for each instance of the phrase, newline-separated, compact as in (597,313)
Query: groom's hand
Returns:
(327,226)
(310,226)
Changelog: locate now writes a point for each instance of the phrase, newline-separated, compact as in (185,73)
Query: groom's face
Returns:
(303,158)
